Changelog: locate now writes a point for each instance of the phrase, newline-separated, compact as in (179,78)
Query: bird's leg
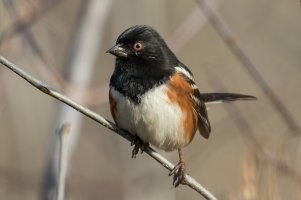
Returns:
(178,171)
(138,145)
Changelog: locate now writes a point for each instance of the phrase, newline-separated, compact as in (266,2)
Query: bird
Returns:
(154,96)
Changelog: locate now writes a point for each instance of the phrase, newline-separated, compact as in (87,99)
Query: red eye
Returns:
(138,46)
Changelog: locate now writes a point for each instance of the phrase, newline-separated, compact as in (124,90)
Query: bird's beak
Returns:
(118,51)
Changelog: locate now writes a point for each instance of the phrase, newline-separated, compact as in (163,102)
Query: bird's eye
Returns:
(138,46)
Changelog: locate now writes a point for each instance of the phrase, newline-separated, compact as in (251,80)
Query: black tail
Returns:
(224,97)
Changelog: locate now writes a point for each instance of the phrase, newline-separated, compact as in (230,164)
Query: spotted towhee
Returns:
(154,96)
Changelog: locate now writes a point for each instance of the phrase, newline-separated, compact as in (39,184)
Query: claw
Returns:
(174,170)
(138,145)
(178,173)
(135,151)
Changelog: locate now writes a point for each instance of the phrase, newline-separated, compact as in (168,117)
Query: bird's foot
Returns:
(178,173)
(138,145)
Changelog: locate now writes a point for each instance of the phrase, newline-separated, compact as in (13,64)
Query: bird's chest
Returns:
(155,119)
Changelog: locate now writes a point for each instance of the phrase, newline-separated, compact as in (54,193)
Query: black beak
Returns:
(118,51)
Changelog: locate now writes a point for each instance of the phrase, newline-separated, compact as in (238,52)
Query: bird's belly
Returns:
(155,119)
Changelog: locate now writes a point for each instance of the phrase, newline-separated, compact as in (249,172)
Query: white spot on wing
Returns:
(185,72)
(194,87)
(214,102)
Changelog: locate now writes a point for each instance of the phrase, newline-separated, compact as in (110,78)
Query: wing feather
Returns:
(197,102)
(200,108)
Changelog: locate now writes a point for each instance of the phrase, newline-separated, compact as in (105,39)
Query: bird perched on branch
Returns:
(154,96)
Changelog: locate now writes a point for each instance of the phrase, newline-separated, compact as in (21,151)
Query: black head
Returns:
(144,51)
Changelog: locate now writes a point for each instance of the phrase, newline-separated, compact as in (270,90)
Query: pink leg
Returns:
(179,171)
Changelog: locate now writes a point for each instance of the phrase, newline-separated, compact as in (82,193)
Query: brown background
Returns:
(228,164)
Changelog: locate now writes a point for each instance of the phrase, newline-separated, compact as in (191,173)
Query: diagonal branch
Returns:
(24,22)
(261,151)
(227,36)
(191,182)
(45,68)
(189,27)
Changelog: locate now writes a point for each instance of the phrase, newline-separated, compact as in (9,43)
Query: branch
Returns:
(27,20)
(64,133)
(260,149)
(226,35)
(189,27)
(191,182)
(45,69)
(88,34)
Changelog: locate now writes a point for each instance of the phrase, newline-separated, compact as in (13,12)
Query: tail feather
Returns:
(211,98)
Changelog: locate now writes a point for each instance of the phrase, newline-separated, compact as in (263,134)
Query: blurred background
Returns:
(254,151)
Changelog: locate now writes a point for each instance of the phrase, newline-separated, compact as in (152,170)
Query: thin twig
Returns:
(48,72)
(27,20)
(83,51)
(225,33)
(189,27)
(91,97)
(191,182)
(242,123)
(64,133)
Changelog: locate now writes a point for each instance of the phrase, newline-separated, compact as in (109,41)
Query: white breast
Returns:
(155,120)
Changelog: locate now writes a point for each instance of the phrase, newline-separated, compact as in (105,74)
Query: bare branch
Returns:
(229,39)
(48,72)
(258,146)
(191,182)
(23,23)
(64,133)
(86,39)
(189,27)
